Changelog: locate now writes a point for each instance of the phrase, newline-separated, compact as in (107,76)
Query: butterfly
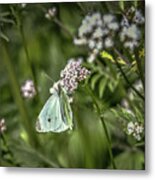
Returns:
(56,115)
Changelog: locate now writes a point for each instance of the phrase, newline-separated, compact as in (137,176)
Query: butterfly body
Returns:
(56,115)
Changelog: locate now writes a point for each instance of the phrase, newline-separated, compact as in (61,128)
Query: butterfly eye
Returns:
(49,120)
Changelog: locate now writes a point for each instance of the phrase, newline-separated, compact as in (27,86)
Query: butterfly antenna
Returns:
(48,77)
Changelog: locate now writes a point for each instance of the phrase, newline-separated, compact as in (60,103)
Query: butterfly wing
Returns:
(66,109)
(51,118)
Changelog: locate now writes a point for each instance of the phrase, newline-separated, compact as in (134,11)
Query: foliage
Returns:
(35,42)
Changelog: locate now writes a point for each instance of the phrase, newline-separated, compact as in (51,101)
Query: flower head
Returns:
(135,129)
(96,32)
(72,74)
(28,89)
(130,33)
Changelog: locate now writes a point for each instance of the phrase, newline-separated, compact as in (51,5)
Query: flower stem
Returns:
(126,78)
(104,127)
(109,142)
(19,25)
(59,23)
(27,54)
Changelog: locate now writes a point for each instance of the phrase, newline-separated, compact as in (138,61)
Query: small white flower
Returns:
(99,22)
(108,18)
(91,44)
(130,44)
(108,42)
(113,26)
(130,127)
(137,136)
(130,36)
(80,41)
(99,45)
(2,125)
(28,89)
(98,33)
(91,58)
(138,18)
(105,31)
(133,32)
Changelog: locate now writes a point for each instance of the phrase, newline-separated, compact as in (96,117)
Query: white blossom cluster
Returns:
(28,89)
(135,129)
(96,32)
(130,28)
(72,74)
(51,13)
(2,125)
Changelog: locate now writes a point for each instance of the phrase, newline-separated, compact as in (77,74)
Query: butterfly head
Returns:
(55,88)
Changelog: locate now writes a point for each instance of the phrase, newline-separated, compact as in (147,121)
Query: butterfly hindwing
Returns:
(67,112)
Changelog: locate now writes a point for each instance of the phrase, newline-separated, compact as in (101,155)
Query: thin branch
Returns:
(59,23)
(125,77)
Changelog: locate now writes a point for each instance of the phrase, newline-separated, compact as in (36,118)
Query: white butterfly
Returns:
(56,115)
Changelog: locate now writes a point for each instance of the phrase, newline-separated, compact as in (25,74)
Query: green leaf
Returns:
(106,55)
(94,80)
(102,86)
(3,36)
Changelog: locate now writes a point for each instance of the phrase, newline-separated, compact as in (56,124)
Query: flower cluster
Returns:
(135,129)
(130,28)
(72,74)
(28,89)
(96,32)
(2,125)
(51,13)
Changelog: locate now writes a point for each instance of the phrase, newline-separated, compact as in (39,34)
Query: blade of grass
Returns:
(104,127)
(17,95)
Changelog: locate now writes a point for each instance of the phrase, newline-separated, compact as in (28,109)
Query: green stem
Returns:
(27,53)
(17,95)
(19,25)
(104,127)
(125,77)
(109,142)
(59,23)
(81,7)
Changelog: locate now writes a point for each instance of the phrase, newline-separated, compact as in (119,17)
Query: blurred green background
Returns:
(32,45)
